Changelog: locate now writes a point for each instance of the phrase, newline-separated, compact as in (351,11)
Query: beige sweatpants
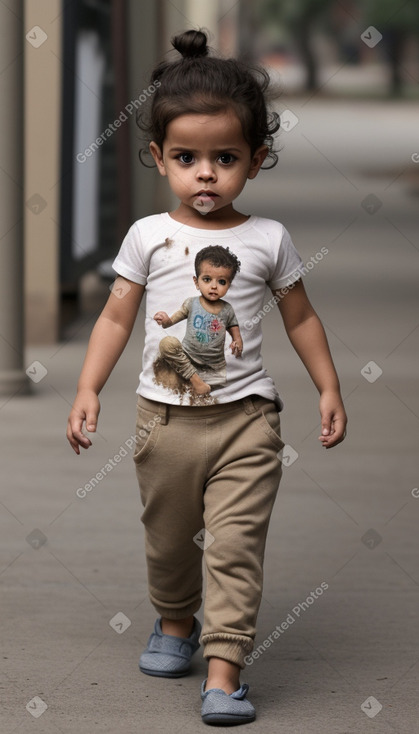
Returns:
(208,479)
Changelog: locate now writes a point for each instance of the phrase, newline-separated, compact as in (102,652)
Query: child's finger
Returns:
(327,425)
(336,434)
(91,422)
(81,439)
(72,441)
(76,438)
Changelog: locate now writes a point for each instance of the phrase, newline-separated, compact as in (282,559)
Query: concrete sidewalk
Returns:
(75,612)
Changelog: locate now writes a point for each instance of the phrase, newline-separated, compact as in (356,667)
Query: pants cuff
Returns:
(233,648)
(172,612)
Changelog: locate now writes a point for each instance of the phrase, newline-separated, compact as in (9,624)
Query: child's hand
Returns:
(162,319)
(334,419)
(236,347)
(86,408)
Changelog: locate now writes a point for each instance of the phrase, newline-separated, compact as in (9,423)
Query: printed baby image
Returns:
(199,359)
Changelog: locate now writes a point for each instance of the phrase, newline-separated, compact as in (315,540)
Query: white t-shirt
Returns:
(159,253)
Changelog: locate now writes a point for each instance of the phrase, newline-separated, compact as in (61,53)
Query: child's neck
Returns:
(211,306)
(221,219)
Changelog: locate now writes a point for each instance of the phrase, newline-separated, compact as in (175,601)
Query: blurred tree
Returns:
(397,22)
(301,17)
(248,22)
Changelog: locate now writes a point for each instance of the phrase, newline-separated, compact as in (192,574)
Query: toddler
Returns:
(208,474)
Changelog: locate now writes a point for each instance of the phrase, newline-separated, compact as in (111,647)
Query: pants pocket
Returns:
(147,432)
(271,424)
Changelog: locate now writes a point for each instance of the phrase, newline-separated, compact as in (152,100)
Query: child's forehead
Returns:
(222,127)
(207,268)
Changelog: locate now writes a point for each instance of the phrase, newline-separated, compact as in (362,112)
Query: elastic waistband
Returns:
(250,404)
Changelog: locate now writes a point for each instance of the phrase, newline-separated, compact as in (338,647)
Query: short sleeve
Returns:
(187,305)
(182,312)
(289,266)
(131,261)
(231,317)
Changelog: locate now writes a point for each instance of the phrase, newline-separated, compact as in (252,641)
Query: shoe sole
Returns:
(227,719)
(163,673)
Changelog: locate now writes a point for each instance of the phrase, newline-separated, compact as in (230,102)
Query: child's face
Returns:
(207,153)
(213,282)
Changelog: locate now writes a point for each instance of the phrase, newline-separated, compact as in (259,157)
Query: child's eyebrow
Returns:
(185,148)
(180,148)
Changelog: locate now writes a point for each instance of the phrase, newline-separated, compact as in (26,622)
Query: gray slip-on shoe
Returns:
(219,707)
(169,656)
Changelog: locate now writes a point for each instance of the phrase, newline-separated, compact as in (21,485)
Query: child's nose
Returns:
(206,171)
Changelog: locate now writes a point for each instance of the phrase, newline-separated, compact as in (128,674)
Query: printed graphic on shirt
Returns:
(196,365)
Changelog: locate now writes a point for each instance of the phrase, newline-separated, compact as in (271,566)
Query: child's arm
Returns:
(106,344)
(308,338)
(236,345)
(164,320)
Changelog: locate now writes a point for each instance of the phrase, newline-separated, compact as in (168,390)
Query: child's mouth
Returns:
(208,194)
(204,201)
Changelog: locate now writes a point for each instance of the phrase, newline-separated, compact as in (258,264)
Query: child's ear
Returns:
(257,159)
(158,157)
(195,280)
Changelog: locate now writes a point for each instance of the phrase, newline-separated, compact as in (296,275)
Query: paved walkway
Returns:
(74,610)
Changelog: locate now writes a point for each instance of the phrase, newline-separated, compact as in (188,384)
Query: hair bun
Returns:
(191,44)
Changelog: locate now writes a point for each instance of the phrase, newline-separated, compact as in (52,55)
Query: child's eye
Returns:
(222,281)
(185,158)
(226,158)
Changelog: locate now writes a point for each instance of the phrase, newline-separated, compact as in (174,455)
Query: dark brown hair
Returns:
(202,84)
(219,257)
